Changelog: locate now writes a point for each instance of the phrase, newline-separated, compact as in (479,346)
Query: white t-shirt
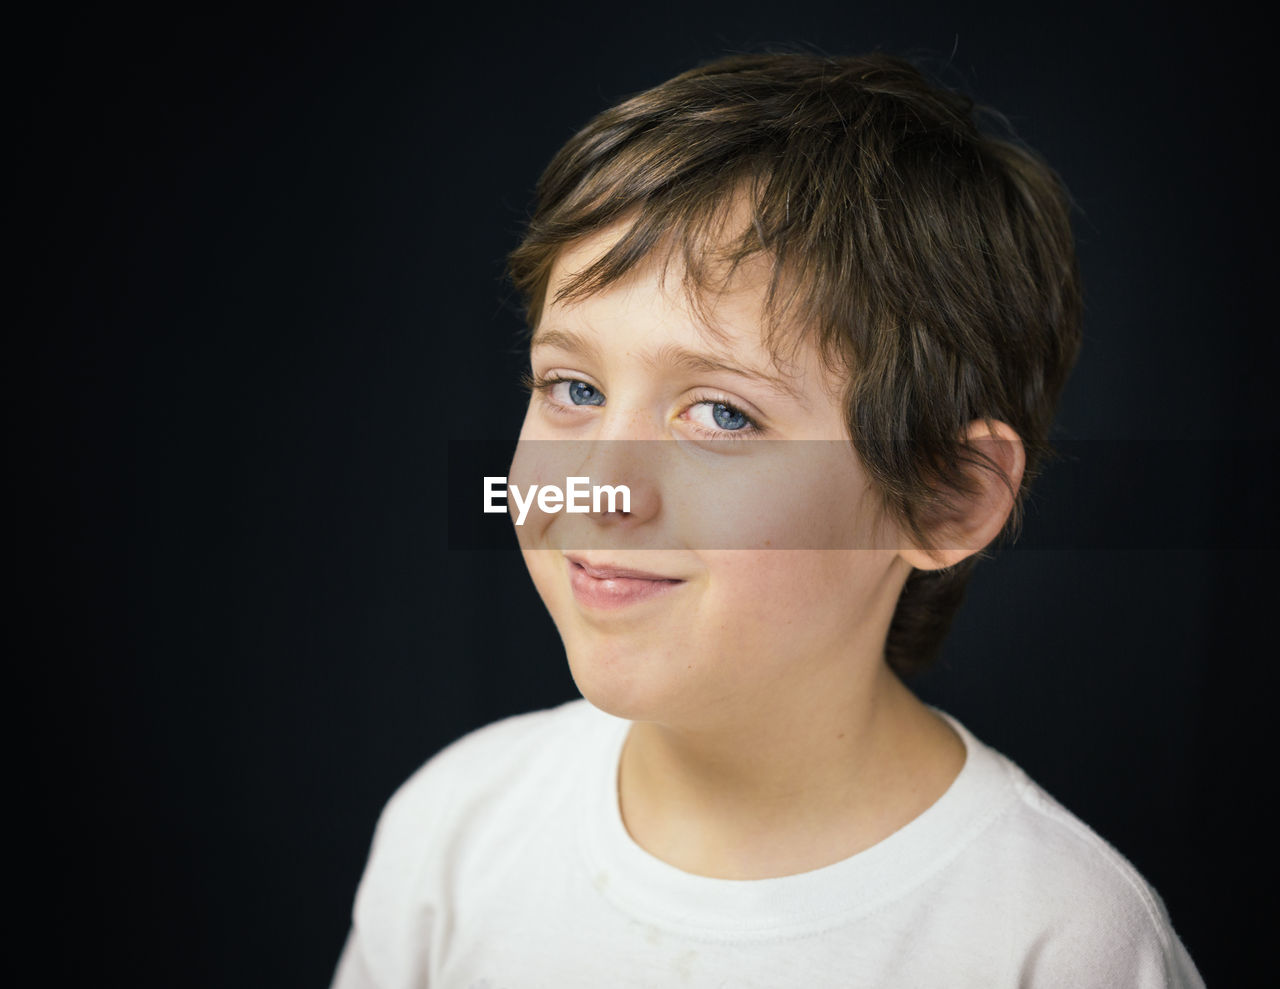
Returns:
(504,863)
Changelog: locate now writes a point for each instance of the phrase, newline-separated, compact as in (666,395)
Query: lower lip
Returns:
(611,593)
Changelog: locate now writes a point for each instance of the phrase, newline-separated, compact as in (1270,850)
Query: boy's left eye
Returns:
(720,416)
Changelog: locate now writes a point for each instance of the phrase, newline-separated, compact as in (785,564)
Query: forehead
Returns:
(722,308)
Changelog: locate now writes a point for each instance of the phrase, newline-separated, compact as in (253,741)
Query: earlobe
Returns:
(971,520)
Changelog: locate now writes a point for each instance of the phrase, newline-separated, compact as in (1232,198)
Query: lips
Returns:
(607,587)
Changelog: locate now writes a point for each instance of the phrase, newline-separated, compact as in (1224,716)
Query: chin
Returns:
(627,682)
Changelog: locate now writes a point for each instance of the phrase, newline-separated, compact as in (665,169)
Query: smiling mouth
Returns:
(608,587)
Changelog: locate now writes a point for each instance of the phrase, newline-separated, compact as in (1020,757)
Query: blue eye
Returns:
(581,393)
(720,419)
(727,417)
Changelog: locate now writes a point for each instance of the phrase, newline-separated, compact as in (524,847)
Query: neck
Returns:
(794,788)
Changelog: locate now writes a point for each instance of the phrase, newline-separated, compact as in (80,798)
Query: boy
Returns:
(768,249)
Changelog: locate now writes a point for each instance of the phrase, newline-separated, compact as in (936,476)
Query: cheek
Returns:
(546,571)
(757,578)
(788,496)
(538,563)
(536,465)
(810,597)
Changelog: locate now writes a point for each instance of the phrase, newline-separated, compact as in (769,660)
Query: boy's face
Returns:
(698,605)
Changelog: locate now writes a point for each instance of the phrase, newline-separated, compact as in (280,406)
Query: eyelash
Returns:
(542,385)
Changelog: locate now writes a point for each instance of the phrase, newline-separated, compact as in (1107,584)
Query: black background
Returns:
(260,291)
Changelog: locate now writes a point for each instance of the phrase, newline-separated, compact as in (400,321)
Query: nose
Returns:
(635,465)
(620,463)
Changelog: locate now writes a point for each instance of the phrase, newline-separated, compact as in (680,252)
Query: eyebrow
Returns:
(572,343)
(670,355)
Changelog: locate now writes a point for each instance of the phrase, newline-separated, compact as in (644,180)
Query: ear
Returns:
(970,521)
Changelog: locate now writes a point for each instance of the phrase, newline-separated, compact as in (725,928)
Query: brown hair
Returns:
(931,262)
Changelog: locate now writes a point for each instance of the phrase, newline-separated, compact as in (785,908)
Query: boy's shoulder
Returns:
(508,745)
(503,741)
(1067,889)
(516,758)
(1053,844)
(469,799)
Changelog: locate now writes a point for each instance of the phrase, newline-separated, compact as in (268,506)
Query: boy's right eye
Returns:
(565,391)
(577,393)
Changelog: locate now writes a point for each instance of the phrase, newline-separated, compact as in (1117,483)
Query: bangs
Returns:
(704,243)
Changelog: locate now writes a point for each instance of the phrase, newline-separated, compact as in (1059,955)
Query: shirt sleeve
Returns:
(352,972)
(1130,944)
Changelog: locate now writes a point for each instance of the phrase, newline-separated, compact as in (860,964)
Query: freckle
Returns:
(841,735)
